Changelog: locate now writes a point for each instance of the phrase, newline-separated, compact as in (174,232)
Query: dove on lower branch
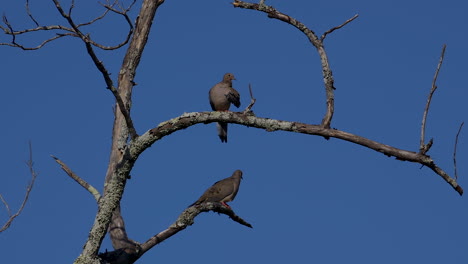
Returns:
(222,191)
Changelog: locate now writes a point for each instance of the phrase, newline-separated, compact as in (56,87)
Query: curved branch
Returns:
(189,119)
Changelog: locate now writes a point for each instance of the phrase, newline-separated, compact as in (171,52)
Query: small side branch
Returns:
(455,175)
(79,180)
(30,14)
(33,173)
(423,148)
(338,27)
(252,101)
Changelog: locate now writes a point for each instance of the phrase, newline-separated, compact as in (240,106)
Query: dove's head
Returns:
(237,174)
(228,77)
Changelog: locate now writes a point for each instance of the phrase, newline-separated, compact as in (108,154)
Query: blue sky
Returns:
(309,200)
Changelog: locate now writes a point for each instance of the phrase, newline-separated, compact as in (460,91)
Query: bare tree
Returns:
(128,144)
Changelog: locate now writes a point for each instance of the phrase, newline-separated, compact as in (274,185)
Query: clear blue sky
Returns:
(309,200)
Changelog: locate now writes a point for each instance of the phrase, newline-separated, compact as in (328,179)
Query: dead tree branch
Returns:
(423,148)
(33,173)
(316,42)
(455,174)
(79,180)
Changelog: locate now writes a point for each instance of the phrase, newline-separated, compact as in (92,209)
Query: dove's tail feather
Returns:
(222,131)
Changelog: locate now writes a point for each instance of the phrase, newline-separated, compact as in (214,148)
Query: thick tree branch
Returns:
(120,165)
(79,180)
(33,173)
(316,42)
(423,148)
(189,119)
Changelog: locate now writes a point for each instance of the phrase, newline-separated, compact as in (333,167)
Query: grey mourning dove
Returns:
(222,191)
(221,96)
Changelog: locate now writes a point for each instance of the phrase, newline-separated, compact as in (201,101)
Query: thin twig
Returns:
(16,45)
(79,180)
(44,28)
(6,205)
(10,27)
(252,101)
(33,173)
(30,14)
(72,5)
(338,27)
(422,147)
(455,175)
(106,11)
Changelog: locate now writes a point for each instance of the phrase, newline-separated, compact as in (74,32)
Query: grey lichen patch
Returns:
(187,115)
